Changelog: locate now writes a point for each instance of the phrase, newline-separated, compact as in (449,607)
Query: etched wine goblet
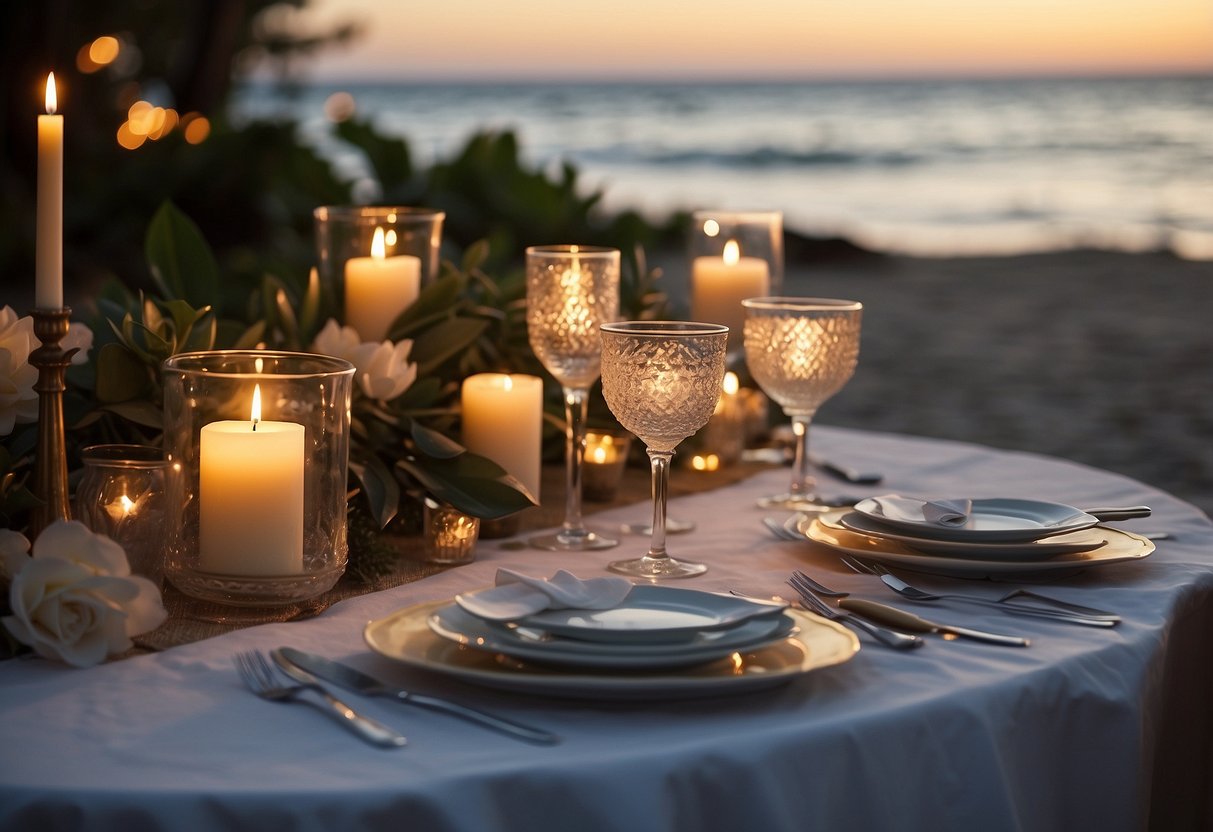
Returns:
(570,291)
(801,351)
(661,379)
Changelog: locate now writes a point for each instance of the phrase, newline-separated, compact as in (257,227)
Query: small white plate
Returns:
(825,528)
(455,624)
(652,614)
(994,520)
(405,636)
(1046,547)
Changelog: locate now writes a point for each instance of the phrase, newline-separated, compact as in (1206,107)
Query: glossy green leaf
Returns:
(380,487)
(444,340)
(180,260)
(434,444)
(471,483)
(121,376)
(140,412)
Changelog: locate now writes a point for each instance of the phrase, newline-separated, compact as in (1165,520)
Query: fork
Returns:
(260,677)
(890,638)
(1071,613)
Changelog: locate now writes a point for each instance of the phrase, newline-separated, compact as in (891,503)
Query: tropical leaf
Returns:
(380,487)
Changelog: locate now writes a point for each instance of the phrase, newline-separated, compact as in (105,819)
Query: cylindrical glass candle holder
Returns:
(258,443)
(733,256)
(123,495)
(606,455)
(375,259)
(450,535)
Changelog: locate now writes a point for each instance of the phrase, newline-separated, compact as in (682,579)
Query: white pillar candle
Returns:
(720,284)
(48,289)
(503,420)
(378,288)
(250,496)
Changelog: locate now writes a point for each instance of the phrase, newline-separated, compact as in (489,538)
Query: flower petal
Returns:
(72,540)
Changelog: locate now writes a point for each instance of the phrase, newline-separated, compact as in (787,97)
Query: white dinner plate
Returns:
(652,614)
(826,529)
(1084,540)
(456,624)
(994,520)
(405,636)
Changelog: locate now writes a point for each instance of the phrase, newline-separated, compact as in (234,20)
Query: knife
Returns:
(901,619)
(359,682)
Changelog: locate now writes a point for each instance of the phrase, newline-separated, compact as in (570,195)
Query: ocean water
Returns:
(939,168)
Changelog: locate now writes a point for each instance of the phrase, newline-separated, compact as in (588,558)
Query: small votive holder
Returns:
(450,535)
(122,494)
(258,444)
(606,455)
(733,256)
(724,434)
(756,410)
(374,260)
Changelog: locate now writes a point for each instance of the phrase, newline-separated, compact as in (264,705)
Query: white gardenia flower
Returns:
(382,369)
(18,401)
(76,600)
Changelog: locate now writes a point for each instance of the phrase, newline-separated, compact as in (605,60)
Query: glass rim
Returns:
(661,329)
(370,214)
(568,249)
(796,304)
(124,456)
(193,362)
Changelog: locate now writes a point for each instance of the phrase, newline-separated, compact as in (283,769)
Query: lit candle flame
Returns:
(52,99)
(256,416)
(128,505)
(732,253)
(378,249)
(599,455)
(731,384)
(508,384)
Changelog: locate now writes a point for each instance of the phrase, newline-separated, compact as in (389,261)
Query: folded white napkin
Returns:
(946,512)
(516,595)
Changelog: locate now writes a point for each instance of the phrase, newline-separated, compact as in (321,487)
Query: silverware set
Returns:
(306,671)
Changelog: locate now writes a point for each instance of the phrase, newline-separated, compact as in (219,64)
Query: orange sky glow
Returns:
(769,39)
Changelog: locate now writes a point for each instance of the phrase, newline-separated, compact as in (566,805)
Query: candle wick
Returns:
(254,426)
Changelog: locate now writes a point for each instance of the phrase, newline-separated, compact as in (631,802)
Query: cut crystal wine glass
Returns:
(661,379)
(570,291)
(801,351)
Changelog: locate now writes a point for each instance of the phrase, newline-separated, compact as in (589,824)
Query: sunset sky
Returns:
(766,39)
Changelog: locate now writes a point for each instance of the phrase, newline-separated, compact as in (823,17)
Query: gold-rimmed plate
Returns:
(405,636)
(827,528)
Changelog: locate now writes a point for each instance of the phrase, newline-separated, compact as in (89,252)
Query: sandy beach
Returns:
(1103,358)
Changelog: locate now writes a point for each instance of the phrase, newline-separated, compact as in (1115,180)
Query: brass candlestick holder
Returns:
(50,473)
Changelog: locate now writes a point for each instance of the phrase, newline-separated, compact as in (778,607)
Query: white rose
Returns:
(79,337)
(383,369)
(76,600)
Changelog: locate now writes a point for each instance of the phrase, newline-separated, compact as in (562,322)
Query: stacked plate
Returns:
(994,536)
(659,641)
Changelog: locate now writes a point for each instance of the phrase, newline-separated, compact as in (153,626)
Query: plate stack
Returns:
(974,537)
(658,641)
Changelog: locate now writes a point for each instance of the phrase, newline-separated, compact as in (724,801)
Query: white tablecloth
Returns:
(1086,729)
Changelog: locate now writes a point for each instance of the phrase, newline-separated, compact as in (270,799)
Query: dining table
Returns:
(1107,728)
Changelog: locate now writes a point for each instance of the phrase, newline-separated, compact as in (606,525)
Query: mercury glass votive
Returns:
(258,445)
(122,494)
(450,535)
(374,260)
(733,256)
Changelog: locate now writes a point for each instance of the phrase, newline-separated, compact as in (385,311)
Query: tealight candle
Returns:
(503,420)
(724,434)
(602,469)
(251,496)
(378,288)
(48,288)
(720,284)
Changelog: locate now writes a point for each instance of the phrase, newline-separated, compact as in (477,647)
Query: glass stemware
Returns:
(801,351)
(661,379)
(570,291)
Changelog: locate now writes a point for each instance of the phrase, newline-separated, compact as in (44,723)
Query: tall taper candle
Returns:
(48,291)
